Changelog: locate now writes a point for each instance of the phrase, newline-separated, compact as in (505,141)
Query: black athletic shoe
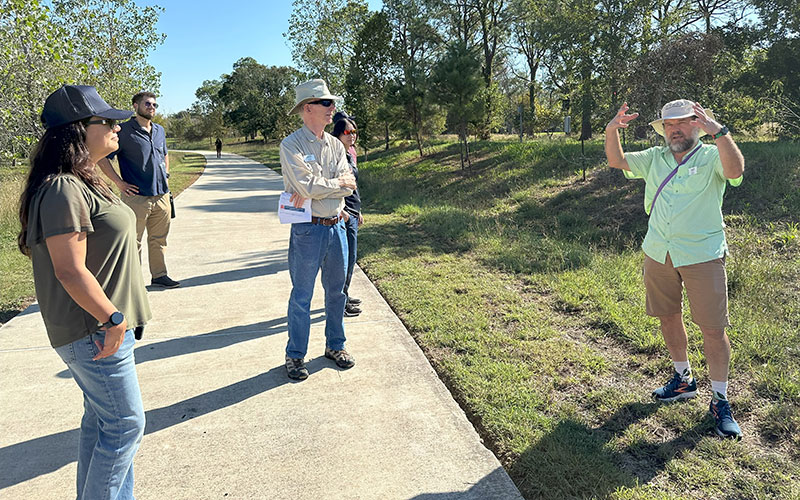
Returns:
(165,281)
(351,310)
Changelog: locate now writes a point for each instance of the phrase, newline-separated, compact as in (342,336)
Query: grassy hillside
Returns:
(523,285)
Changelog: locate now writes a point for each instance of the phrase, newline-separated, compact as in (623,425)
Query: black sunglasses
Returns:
(105,121)
(150,105)
(325,103)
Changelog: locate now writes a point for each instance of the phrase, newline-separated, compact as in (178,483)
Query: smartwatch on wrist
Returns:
(116,319)
(723,131)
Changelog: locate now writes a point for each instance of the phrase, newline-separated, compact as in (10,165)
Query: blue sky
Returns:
(205,38)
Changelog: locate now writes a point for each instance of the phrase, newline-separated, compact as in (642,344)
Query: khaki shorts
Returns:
(706,287)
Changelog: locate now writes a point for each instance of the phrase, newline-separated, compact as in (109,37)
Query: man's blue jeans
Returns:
(113,420)
(351,226)
(311,247)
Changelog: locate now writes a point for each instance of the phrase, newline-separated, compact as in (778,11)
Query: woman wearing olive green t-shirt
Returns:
(82,242)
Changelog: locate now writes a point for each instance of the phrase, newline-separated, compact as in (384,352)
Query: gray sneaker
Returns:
(342,358)
(296,368)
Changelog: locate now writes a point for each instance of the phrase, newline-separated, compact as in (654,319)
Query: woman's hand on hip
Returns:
(114,338)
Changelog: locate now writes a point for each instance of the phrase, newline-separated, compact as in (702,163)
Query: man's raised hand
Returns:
(621,120)
(703,121)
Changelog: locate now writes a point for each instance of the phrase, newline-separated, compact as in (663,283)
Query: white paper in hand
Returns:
(288,214)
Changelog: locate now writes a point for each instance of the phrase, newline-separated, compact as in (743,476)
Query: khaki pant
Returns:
(706,287)
(153,213)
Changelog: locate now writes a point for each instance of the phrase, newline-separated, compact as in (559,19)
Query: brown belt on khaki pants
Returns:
(327,221)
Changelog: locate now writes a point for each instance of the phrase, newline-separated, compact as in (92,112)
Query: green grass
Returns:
(16,278)
(523,286)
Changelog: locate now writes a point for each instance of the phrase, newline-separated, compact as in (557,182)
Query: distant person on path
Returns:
(82,243)
(144,185)
(218,144)
(314,165)
(344,129)
(685,243)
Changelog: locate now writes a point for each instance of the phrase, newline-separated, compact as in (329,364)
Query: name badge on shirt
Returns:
(692,170)
(310,158)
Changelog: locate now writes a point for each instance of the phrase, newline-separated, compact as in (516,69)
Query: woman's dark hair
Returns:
(61,150)
(340,125)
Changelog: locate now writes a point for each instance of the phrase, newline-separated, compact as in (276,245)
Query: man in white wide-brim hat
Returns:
(685,243)
(314,166)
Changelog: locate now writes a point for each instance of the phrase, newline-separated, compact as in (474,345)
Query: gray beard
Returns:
(681,145)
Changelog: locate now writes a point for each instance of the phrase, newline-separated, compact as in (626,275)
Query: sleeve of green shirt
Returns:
(303,181)
(64,209)
(721,172)
(639,163)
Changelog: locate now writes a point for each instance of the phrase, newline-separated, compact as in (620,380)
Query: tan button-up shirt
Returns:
(311,166)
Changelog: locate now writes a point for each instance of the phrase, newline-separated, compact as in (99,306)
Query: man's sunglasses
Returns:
(150,105)
(105,121)
(348,132)
(325,103)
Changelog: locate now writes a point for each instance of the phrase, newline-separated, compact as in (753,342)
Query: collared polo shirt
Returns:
(311,166)
(687,216)
(142,157)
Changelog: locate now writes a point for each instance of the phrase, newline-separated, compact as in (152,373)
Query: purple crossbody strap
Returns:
(670,176)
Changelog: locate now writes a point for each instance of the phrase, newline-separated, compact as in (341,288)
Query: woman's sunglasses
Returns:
(348,132)
(105,121)
(325,103)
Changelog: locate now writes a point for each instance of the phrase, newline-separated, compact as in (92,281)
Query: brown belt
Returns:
(327,221)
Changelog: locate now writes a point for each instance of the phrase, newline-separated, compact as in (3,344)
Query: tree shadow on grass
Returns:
(576,461)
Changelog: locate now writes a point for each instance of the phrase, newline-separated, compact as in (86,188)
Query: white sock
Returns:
(684,369)
(719,389)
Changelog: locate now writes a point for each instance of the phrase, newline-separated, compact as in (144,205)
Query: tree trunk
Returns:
(586,101)
(387,136)
(466,148)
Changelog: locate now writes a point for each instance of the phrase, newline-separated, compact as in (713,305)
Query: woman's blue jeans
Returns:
(311,247)
(351,226)
(113,420)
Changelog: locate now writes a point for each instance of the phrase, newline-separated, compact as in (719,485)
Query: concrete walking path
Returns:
(223,419)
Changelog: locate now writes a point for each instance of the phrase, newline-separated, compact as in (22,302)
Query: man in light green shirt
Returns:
(685,244)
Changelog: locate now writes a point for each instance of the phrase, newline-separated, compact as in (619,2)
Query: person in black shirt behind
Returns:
(344,129)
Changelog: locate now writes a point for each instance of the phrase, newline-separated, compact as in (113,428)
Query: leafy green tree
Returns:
(69,42)
(210,108)
(112,41)
(368,75)
(491,16)
(531,36)
(415,42)
(322,34)
(257,98)
(32,54)
(456,82)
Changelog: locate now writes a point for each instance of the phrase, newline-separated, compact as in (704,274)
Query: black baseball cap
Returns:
(71,103)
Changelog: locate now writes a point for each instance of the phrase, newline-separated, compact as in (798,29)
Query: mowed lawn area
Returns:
(16,278)
(522,283)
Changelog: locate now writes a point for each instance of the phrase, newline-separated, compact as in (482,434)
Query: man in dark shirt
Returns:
(144,170)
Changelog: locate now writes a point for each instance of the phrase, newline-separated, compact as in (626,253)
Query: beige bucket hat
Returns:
(673,110)
(311,91)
